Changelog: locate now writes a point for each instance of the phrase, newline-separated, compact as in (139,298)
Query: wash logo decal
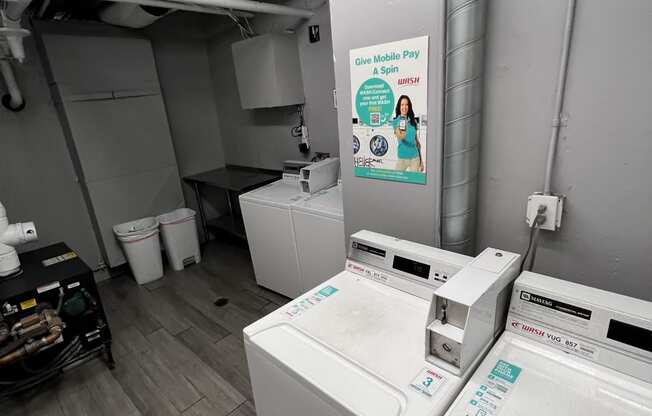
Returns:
(556,339)
(389,97)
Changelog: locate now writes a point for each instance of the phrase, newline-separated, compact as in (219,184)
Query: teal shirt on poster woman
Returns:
(407,149)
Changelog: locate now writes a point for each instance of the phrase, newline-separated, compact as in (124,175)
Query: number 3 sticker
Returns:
(427,382)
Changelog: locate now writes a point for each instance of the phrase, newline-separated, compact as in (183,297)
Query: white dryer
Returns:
(319,232)
(355,345)
(270,234)
(568,349)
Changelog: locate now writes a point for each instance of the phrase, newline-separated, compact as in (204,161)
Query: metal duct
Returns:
(465,43)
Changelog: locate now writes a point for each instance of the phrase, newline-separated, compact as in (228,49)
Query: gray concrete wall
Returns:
(192,113)
(398,209)
(261,138)
(604,163)
(37,178)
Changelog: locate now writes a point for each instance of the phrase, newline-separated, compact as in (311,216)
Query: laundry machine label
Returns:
(492,393)
(427,382)
(545,308)
(304,304)
(557,339)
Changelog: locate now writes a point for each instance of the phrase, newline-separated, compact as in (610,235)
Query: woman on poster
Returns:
(406,131)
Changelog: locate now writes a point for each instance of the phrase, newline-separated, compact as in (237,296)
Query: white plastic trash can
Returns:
(180,239)
(141,245)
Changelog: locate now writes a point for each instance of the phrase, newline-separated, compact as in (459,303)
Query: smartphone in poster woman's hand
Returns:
(402,125)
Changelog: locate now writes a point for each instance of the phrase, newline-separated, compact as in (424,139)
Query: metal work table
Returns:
(234,180)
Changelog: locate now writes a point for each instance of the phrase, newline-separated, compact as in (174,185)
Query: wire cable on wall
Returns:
(531,250)
(246,31)
(296,130)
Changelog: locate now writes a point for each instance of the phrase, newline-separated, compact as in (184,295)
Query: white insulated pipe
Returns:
(252,6)
(173,5)
(10,236)
(559,96)
(16,98)
(14,9)
(15,234)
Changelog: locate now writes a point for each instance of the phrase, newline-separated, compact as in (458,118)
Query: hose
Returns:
(73,347)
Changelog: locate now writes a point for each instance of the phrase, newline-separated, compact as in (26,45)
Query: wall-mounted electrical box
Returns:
(268,71)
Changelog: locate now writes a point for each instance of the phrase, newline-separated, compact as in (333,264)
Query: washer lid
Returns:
(358,391)
(363,331)
(280,193)
(535,379)
(327,202)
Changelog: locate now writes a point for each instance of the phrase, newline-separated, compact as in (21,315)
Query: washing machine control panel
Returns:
(402,264)
(608,328)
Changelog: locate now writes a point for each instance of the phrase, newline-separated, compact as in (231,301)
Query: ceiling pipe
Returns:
(14,100)
(252,6)
(173,5)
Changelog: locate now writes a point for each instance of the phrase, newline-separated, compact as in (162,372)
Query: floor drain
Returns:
(221,301)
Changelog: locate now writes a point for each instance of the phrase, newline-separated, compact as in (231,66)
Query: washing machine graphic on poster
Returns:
(389,85)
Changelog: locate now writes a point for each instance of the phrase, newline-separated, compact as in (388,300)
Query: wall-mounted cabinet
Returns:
(268,71)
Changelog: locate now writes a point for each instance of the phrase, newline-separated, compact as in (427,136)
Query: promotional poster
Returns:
(389,97)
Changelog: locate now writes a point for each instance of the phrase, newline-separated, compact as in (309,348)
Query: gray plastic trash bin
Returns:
(139,240)
(180,239)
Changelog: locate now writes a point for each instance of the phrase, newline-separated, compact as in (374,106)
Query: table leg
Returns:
(228,199)
(202,213)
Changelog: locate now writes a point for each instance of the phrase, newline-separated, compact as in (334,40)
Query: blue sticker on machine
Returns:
(328,290)
(506,371)
(303,304)
(492,394)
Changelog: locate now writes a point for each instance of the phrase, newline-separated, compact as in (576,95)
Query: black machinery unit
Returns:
(51,319)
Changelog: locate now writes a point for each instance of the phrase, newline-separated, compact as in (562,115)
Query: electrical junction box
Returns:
(553,204)
(268,71)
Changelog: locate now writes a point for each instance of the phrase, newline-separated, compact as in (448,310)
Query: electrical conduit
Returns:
(559,95)
(465,43)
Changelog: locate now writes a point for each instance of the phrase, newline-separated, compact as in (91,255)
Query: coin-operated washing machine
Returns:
(568,349)
(354,345)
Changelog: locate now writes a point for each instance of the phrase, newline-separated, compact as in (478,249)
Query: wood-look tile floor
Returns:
(177,353)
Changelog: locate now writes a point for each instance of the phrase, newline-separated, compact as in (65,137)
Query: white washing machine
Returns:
(355,345)
(319,233)
(568,350)
(270,234)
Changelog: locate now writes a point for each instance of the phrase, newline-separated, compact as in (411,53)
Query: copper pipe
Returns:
(29,349)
